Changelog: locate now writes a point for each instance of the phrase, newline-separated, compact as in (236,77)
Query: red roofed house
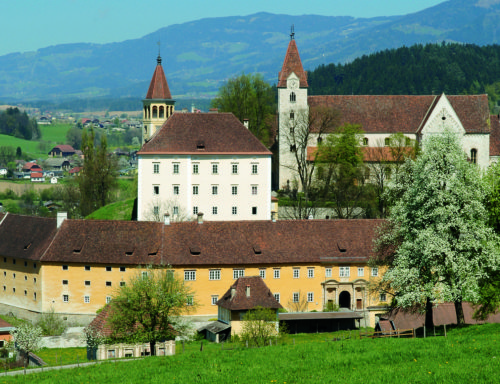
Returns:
(5,329)
(199,162)
(380,116)
(31,167)
(37,177)
(62,151)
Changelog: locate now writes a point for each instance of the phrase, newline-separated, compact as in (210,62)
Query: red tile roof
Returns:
(4,324)
(34,175)
(30,166)
(495,136)
(64,148)
(203,133)
(403,113)
(260,295)
(293,64)
(158,88)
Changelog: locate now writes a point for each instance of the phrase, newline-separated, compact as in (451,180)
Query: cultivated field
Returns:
(468,355)
(20,187)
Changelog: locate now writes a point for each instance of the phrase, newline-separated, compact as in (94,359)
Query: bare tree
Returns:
(306,129)
(159,207)
(299,303)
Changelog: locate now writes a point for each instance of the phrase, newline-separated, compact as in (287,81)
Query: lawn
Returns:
(467,355)
(121,210)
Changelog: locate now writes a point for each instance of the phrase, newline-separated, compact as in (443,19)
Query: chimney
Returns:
(247,291)
(61,216)
(233,292)
(245,123)
(200,218)
(273,216)
(166,218)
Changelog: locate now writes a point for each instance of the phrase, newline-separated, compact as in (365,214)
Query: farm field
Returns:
(467,355)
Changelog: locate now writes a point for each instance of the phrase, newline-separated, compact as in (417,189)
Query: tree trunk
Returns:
(152,345)
(429,318)
(459,312)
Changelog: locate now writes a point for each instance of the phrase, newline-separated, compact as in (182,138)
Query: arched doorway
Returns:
(345,300)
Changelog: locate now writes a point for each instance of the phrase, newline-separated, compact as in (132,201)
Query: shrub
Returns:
(51,324)
(331,307)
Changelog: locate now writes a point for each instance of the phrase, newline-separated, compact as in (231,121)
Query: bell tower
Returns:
(158,104)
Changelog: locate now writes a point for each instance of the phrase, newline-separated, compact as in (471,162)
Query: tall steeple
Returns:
(292,64)
(158,104)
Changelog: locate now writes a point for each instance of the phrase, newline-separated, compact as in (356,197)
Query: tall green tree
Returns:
(437,244)
(148,307)
(98,178)
(248,97)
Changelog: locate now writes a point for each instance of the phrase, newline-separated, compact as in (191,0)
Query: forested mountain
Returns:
(200,55)
(416,70)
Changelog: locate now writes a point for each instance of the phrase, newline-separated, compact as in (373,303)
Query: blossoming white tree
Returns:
(438,245)
(27,338)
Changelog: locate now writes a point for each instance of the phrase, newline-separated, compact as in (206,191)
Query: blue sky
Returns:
(27,25)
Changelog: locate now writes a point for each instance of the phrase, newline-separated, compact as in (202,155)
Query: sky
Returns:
(27,25)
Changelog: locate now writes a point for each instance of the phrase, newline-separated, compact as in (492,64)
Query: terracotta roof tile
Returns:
(403,113)
(158,88)
(260,295)
(26,237)
(495,136)
(293,64)
(64,148)
(204,133)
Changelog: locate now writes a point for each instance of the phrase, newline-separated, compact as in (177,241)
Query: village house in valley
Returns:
(75,266)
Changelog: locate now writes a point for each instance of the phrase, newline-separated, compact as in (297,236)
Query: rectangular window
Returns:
(237,273)
(189,275)
(87,282)
(176,168)
(296,297)
(234,190)
(176,189)
(262,273)
(344,272)
(108,269)
(122,283)
(65,282)
(234,210)
(383,297)
(361,271)
(374,272)
(254,189)
(328,272)
(123,269)
(34,265)
(195,210)
(144,275)
(25,263)
(175,210)
(214,210)
(156,167)
(156,189)
(108,299)
(215,299)
(277,297)
(86,299)
(215,189)
(34,295)
(189,300)
(296,273)
(65,298)
(310,273)
(310,297)
(87,267)
(108,283)
(156,210)
(215,168)
(195,189)
(64,267)
(276,273)
(255,169)
(214,274)
(234,169)
(254,210)
(196,168)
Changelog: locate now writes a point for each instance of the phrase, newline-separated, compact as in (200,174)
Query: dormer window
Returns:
(200,145)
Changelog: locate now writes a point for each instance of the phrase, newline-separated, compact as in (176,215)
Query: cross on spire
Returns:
(292,33)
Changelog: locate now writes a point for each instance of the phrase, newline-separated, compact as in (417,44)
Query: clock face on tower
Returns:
(294,84)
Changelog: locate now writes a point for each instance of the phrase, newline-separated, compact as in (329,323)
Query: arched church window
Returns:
(293,97)
(155,112)
(292,115)
(162,112)
(365,141)
(473,156)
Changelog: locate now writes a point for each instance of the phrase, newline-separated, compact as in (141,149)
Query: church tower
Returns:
(158,104)
(293,108)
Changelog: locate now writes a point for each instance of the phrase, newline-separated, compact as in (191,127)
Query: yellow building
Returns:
(75,266)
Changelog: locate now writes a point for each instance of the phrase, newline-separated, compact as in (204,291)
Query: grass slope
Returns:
(121,210)
(467,355)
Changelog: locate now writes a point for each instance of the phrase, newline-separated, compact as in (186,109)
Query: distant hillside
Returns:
(199,55)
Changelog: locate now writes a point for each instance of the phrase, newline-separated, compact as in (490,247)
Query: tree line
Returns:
(16,123)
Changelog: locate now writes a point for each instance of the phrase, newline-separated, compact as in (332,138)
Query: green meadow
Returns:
(466,355)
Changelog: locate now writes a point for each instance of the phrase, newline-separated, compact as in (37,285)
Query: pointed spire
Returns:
(293,64)
(158,88)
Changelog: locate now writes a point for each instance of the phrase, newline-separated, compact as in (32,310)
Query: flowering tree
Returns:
(437,244)
(93,337)
(27,338)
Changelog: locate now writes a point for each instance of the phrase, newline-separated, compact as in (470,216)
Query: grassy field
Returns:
(467,355)
(121,210)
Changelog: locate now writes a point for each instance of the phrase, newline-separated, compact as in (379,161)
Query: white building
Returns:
(206,163)
(382,116)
